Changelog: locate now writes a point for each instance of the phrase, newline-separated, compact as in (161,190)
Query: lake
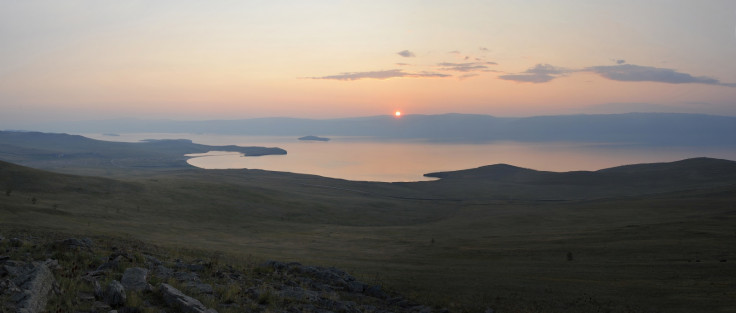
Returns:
(394,161)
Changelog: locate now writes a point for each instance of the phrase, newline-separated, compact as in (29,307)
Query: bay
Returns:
(364,159)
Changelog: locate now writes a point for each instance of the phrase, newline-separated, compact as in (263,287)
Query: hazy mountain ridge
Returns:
(633,128)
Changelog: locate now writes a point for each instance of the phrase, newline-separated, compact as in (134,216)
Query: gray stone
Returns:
(163,272)
(376,292)
(113,264)
(115,294)
(75,243)
(178,300)
(152,260)
(356,286)
(135,278)
(186,276)
(36,286)
(298,294)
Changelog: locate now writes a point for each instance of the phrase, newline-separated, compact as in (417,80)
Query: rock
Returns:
(186,276)
(275,265)
(7,286)
(99,293)
(36,286)
(152,260)
(135,278)
(376,292)
(176,299)
(298,294)
(75,243)
(14,268)
(163,272)
(115,294)
(356,286)
(110,265)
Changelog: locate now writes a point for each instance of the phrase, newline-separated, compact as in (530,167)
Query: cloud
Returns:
(454,52)
(636,73)
(465,76)
(381,75)
(406,54)
(540,73)
(528,78)
(465,67)
(483,49)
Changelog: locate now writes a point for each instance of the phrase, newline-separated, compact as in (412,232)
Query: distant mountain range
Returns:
(634,128)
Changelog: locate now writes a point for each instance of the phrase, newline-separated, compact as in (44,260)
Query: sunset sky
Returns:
(76,60)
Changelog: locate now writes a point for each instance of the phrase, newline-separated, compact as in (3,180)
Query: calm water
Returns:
(364,159)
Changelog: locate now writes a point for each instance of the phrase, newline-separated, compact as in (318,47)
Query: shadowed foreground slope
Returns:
(643,238)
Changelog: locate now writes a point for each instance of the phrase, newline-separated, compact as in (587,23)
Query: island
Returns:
(314,138)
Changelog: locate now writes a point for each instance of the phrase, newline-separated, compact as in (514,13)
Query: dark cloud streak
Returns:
(542,73)
(636,73)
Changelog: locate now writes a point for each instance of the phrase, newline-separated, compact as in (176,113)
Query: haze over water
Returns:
(394,161)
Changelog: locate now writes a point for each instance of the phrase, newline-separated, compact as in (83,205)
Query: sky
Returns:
(77,60)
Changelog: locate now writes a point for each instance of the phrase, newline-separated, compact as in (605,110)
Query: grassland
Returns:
(657,238)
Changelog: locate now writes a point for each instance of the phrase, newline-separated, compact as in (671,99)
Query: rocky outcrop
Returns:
(121,281)
(179,300)
(30,286)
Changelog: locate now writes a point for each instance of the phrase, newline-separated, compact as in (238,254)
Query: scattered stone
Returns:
(115,294)
(135,278)
(176,299)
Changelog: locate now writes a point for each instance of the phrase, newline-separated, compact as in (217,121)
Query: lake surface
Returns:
(393,161)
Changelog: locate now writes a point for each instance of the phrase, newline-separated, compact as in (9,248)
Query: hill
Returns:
(56,151)
(477,239)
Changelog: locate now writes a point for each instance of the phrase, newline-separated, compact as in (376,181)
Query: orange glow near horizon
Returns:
(397,114)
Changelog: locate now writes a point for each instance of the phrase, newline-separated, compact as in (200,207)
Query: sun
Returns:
(397,114)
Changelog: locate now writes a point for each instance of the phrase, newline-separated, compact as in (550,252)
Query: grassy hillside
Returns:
(620,245)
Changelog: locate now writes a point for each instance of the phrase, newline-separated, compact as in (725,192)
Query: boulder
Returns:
(178,300)
(135,278)
(35,287)
(115,294)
